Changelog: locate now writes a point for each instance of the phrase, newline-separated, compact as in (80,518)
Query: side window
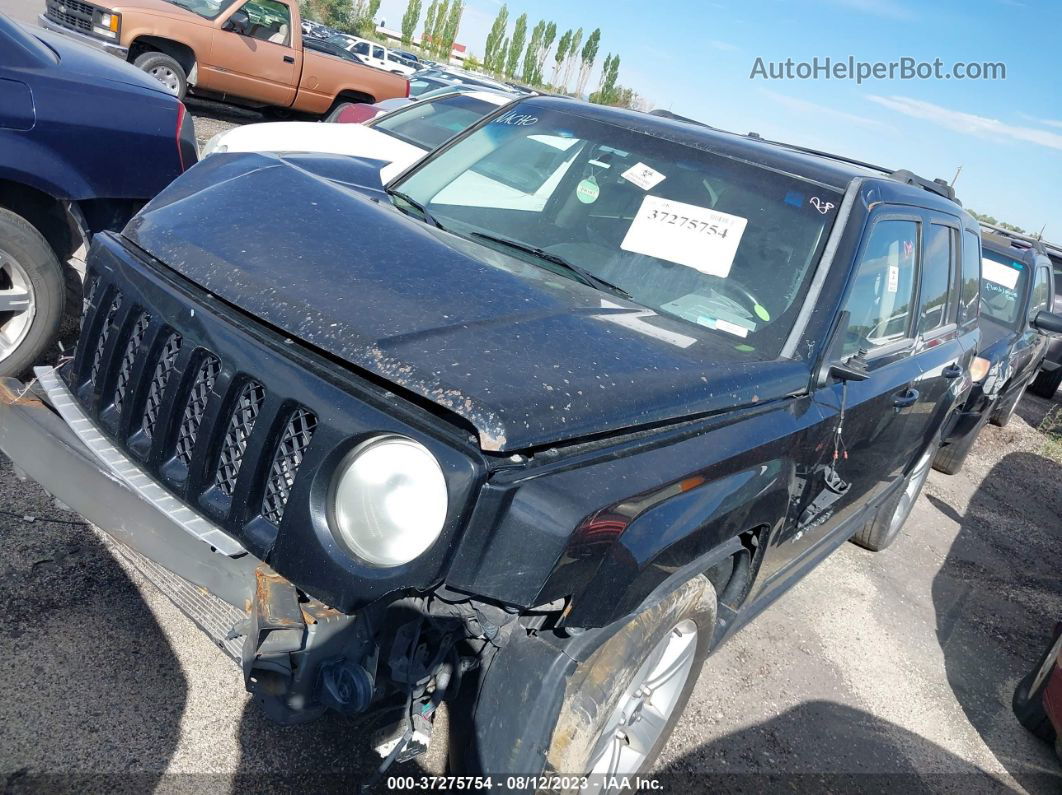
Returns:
(880,301)
(269,21)
(938,263)
(971,277)
(378,53)
(361,48)
(1041,293)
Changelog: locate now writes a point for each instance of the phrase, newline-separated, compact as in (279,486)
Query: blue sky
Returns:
(696,57)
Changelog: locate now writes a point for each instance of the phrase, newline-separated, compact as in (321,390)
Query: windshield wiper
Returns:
(416,205)
(582,274)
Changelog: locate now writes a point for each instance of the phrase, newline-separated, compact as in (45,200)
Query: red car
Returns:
(1038,697)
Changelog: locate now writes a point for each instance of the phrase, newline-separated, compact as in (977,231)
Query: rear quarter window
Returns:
(970,289)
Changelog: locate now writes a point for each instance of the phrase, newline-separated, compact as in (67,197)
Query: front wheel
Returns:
(618,707)
(166,70)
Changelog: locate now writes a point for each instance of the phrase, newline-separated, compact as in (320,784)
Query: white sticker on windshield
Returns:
(696,237)
(894,279)
(999,273)
(643,176)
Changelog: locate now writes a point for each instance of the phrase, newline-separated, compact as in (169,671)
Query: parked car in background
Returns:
(360,112)
(1015,287)
(250,51)
(373,54)
(327,48)
(398,139)
(1049,379)
(1038,697)
(530,431)
(85,141)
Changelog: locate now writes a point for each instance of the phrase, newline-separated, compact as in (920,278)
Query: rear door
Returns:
(253,55)
(943,348)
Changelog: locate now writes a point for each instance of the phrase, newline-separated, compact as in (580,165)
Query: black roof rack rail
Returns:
(1017,239)
(937,186)
(666,114)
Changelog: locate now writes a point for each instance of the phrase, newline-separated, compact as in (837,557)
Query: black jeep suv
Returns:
(1016,286)
(531,429)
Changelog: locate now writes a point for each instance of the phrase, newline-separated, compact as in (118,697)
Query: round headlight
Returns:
(390,500)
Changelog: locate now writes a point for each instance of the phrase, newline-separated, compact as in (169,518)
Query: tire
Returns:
(1046,384)
(166,70)
(950,458)
(1002,414)
(30,274)
(606,695)
(1028,701)
(880,531)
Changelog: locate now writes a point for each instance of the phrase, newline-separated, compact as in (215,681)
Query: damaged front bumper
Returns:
(251,612)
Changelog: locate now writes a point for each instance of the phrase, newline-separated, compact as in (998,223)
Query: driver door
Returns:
(252,53)
(875,435)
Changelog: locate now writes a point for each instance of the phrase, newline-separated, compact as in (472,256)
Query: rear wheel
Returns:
(1046,384)
(882,530)
(32,294)
(166,70)
(1028,700)
(1005,410)
(950,458)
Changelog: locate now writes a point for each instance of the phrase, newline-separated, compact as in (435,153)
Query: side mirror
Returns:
(852,370)
(1048,321)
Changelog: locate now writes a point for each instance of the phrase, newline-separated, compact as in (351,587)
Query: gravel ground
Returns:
(878,672)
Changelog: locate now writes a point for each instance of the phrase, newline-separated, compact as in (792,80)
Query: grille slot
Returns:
(86,303)
(286,462)
(159,379)
(132,349)
(241,425)
(196,407)
(105,332)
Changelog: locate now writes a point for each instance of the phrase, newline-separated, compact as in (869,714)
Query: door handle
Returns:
(905,398)
(952,371)
(289,59)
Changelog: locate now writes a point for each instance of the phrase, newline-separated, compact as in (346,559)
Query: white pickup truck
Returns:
(372,54)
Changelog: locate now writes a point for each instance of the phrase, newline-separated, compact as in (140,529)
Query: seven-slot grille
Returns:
(171,403)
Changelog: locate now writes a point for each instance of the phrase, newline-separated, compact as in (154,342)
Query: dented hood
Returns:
(311,245)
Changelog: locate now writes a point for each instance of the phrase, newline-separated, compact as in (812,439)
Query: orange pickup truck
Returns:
(247,51)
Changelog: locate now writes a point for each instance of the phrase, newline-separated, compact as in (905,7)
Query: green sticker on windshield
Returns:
(744,348)
(587,191)
(761,313)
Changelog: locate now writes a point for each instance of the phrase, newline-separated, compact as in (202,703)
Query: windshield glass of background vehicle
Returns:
(716,242)
(208,9)
(1002,285)
(428,124)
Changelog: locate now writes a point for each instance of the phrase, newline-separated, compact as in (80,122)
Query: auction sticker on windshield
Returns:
(697,237)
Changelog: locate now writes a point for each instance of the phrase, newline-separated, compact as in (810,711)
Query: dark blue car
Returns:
(85,141)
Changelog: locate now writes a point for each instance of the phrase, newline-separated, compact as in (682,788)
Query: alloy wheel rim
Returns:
(646,708)
(17,307)
(167,77)
(910,491)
